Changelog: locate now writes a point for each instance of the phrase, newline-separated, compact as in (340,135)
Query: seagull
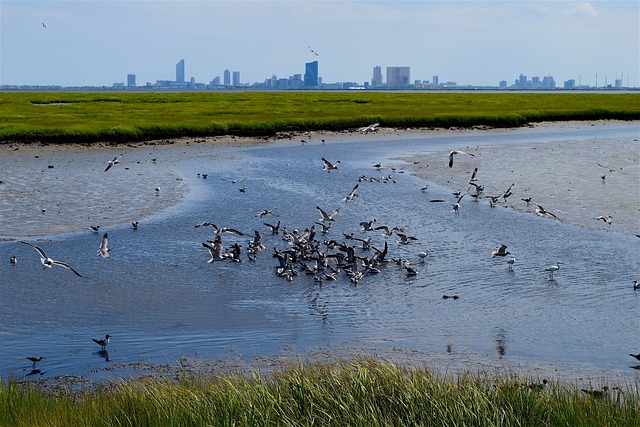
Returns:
(349,197)
(313,51)
(453,153)
(500,251)
(95,228)
(274,228)
(542,212)
(527,200)
(636,285)
(216,251)
(424,188)
(598,394)
(473,176)
(325,227)
(552,269)
(115,160)
(510,262)
(456,205)
(34,360)
(207,224)
(157,189)
(134,225)
(328,166)
(370,128)
(328,217)
(367,225)
(637,356)
(103,251)
(404,239)
(508,193)
(265,212)
(102,343)
(48,262)
(608,168)
(605,218)
(423,255)
(13,260)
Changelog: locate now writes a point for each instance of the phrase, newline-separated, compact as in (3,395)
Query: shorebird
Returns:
(605,218)
(328,166)
(450,296)
(542,212)
(134,225)
(424,188)
(215,250)
(95,228)
(367,225)
(456,205)
(103,251)
(34,360)
(102,343)
(110,163)
(598,394)
(453,153)
(552,269)
(500,251)
(265,212)
(48,262)
(510,262)
(325,216)
(608,168)
(508,193)
(13,260)
(349,197)
(404,239)
(275,229)
(370,128)
(636,285)
(540,386)
(157,190)
(423,255)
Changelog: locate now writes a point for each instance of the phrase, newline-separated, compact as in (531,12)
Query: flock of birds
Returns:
(310,252)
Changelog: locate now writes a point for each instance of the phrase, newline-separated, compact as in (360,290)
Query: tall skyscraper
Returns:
(435,81)
(236,78)
(180,71)
(311,74)
(377,76)
(131,79)
(398,76)
(227,77)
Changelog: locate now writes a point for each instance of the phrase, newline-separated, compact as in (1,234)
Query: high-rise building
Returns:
(377,76)
(227,77)
(236,78)
(398,76)
(180,71)
(131,80)
(311,74)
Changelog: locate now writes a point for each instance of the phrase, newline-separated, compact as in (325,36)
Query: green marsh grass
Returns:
(360,392)
(117,117)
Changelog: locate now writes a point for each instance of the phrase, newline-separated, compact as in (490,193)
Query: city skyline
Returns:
(480,43)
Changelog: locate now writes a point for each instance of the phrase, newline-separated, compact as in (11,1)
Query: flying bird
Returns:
(456,205)
(110,163)
(453,153)
(608,168)
(371,128)
(542,212)
(500,251)
(104,251)
(44,25)
(605,218)
(352,194)
(48,262)
(328,166)
(314,52)
(327,217)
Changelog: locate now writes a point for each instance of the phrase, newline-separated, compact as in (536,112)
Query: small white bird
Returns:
(453,153)
(327,217)
(110,163)
(371,128)
(102,343)
(328,166)
(104,251)
(48,262)
(423,255)
(552,269)
(510,262)
(456,205)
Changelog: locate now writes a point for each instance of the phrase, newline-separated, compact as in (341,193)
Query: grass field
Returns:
(362,392)
(117,117)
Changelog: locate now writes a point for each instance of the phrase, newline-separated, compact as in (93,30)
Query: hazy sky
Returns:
(470,42)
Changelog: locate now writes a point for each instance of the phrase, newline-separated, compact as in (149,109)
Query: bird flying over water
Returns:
(44,25)
(456,205)
(352,194)
(325,216)
(608,168)
(371,128)
(453,153)
(314,52)
(110,163)
(542,212)
(605,218)
(48,262)
(328,166)
(104,251)
(500,251)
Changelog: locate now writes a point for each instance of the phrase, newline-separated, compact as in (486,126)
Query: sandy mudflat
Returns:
(69,181)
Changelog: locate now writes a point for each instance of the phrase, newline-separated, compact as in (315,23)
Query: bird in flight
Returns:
(48,262)
(453,153)
(371,128)
(606,167)
(44,25)
(456,205)
(605,218)
(352,194)
(325,216)
(500,251)
(115,160)
(313,51)
(104,251)
(328,166)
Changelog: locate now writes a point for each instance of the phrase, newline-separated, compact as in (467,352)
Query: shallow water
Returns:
(159,299)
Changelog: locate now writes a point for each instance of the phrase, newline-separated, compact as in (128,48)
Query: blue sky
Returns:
(470,42)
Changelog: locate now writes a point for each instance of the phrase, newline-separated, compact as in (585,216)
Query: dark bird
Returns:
(48,262)
(500,251)
(44,25)
(605,218)
(314,52)
(637,356)
(13,260)
(453,153)
(636,285)
(134,225)
(598,394)
(34,360)
(95,228)
(102,343)
(327,217)
(608,168)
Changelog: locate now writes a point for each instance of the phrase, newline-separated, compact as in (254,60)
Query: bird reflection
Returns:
(103,353)
(501,344)
(34,372)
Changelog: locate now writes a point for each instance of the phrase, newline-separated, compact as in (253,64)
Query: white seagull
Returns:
(456,205)
(48,262)
(328,166)
(327,217)
(102,343)
(510,262)
(115,160)
(370,128)
(552,269)
(352,194)
(453,153)
(542,212)
(215,250)
(104,251)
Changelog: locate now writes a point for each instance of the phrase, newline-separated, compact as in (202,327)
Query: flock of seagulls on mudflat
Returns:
(309,254)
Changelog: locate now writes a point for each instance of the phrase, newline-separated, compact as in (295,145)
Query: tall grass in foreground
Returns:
(364,392)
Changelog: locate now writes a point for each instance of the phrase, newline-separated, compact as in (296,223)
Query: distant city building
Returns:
(503,84)
(570,84)
(311,74)
(398,76)
(377,76)
(131,80)
(180,71)
(227,77)
(236,78)
(215,81)
(548,82)
(435,81)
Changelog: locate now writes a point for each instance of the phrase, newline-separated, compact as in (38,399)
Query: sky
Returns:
(97,43)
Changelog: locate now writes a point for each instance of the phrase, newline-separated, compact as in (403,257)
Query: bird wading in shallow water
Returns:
(102,343)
